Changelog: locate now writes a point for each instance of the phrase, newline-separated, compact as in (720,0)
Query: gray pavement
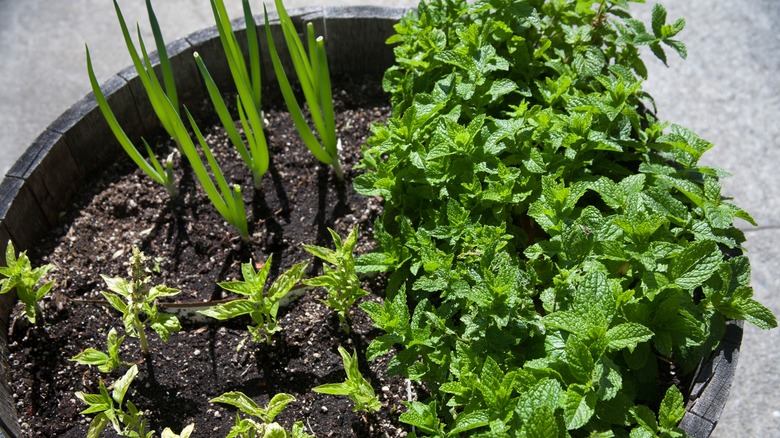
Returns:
(728,91)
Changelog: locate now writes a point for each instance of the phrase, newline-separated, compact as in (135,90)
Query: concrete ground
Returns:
(728,90)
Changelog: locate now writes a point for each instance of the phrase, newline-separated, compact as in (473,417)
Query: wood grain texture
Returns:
(91,142)
(711,387)
(50,172)
(20,213)
(355,38)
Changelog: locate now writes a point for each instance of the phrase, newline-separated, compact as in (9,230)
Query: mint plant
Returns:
(136,299)
(266,427)
(550,242)
(261,306)
(356,387)
(340,280)
(311,68)
(105,361)
(19,275)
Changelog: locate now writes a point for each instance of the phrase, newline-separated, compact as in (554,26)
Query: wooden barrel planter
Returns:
(79,143)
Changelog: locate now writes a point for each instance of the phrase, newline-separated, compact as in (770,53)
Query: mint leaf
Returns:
(695,264)
(546,393)
(422,416)
(541,423)
(672,408)
(568,321)
(658,19)
(579,406)
(470,421)
(578,359)
(627,335)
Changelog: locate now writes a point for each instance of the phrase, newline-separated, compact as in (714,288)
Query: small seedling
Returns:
(19,274)
(136,299)
(185,433)
(261,307)
(340,280)
(105,361)
(124,416)
(265,428)
(314,77)
(356,387)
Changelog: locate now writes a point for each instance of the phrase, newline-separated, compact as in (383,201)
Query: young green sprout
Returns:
(248,427)
(20,275)
(340,280)
(356,387)
(185,433)
(261,307)
(124,416)
(105,361)
(136,299)
(312,70)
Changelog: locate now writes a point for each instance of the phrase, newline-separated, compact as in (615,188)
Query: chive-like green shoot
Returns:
(311,68)
(247,86)
(154,170)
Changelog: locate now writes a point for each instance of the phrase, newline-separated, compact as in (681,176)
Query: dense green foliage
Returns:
(552,245)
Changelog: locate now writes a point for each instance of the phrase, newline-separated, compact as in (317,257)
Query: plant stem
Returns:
(337,168)
(139,327)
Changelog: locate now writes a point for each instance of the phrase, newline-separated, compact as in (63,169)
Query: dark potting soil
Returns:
(192,248)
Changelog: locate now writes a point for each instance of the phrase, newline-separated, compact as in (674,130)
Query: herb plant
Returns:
(123,415)
(311,67)
(136,299)
(265,428)
(261,306)
(551,244)
(340,281)
(105,361)
(21,276)
(185,433)
(356,387)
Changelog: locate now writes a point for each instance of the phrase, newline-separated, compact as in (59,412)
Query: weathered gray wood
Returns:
(20,213)
(91,142)
(711,387)
(9,189)
(8,414)
(356,36)
(48,170)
